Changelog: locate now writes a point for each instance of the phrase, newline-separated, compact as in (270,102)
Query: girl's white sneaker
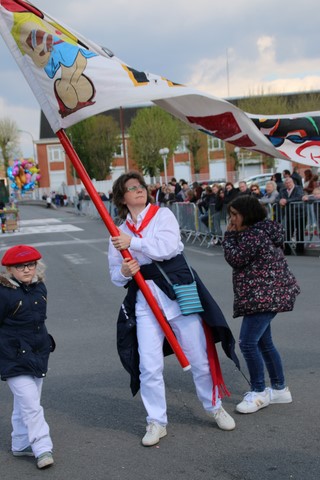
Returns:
(253,401)
(279,396)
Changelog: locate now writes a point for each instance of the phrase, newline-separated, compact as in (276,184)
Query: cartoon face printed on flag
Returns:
(60,58)
(36,43)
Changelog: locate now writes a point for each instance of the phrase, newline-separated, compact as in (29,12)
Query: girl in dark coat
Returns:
(25,346)
(263,286)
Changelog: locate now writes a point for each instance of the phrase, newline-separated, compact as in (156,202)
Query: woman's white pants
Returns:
(28,422)
(190,335)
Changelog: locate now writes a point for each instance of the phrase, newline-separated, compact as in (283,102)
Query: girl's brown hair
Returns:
(250,208)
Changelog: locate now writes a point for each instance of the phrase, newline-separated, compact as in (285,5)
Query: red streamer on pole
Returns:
(113,230)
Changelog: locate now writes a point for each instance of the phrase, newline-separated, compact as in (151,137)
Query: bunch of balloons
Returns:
(24,175)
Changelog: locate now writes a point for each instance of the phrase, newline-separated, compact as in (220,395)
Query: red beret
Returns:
(20,254)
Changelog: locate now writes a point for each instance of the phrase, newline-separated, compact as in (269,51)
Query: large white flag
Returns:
(73,78)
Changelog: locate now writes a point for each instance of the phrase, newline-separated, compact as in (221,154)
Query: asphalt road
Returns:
(95,423)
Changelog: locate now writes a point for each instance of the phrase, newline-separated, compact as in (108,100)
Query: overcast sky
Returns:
(227,49)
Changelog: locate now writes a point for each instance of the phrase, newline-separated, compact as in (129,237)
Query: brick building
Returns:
(217,158)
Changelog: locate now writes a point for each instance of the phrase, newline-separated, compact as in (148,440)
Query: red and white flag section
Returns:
(73,78)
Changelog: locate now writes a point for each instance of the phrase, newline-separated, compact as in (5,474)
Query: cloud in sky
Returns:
(227,51)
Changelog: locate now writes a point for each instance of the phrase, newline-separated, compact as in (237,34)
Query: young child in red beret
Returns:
(25,346)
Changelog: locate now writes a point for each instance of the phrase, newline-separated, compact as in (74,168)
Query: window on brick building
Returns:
(215,143)
(182,146)
(55,153)
(119,151)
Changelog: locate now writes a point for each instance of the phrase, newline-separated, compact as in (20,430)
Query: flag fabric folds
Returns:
(73,78)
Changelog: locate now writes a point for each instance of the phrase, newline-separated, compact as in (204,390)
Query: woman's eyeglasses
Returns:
(21,266)
(134,188)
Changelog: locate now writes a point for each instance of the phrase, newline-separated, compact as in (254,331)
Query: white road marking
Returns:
(39,221)
(75,258)
(4,246)
(50,225)
(49,229)
(37,229)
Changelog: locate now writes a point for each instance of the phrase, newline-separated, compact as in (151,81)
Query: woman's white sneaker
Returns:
(155,431)
(279,396)
(253,401)
(223,419)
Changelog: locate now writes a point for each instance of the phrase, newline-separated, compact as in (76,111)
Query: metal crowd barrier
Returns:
(217,224)
(301,221)
(194,226)
(87,207)
(186,214)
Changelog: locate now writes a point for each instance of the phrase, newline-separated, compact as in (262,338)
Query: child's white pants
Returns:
(28,422)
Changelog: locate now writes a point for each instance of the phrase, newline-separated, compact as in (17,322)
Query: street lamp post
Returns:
(33,144)
(164,154)
(241,157)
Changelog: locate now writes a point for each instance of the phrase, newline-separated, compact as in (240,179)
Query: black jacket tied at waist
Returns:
(178,273)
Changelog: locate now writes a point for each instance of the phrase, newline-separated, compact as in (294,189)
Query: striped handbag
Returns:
(186,295)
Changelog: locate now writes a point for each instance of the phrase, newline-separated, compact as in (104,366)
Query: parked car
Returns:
(221,181)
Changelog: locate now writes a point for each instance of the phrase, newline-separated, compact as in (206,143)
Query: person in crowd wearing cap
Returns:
(25,346)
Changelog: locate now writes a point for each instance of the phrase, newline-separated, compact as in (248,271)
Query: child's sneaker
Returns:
(45,460)
(253,401)
(279,396)
(26,452)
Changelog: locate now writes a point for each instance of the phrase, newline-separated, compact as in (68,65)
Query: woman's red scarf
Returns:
(149,216)
(214,365)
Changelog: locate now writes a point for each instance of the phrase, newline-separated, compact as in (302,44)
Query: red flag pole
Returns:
(113,230)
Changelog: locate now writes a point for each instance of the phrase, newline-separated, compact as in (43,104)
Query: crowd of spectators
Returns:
(205,195)
(55,198)
(212,200)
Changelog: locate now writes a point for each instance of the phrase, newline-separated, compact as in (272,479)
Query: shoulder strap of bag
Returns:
(166,276)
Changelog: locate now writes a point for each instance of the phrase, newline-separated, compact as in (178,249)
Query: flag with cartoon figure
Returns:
(73,78)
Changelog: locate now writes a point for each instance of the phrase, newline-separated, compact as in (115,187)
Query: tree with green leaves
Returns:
(264,104)
(9,141)
(151,130)
(280,104)
(307,102)
(194,145)
(234,154)
(96,140)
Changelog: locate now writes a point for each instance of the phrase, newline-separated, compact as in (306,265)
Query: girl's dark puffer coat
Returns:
(25,344)
(262,280)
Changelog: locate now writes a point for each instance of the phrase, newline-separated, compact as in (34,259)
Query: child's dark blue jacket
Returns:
(25,344)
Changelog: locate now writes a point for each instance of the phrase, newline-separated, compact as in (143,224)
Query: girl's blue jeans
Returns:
(258,351)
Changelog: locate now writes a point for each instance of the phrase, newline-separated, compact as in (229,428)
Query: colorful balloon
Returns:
(24,175)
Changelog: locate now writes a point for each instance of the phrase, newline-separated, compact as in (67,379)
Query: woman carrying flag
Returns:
(152,236)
